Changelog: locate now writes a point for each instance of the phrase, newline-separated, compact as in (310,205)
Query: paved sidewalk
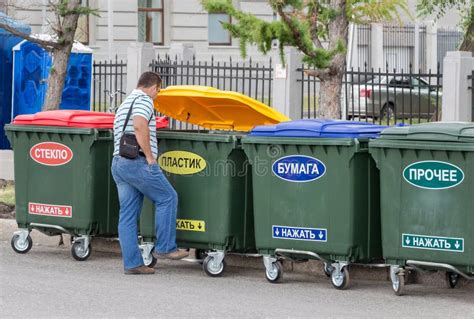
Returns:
(6,164)
(312,268)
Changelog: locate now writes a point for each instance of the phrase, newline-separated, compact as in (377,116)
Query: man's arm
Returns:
(142,133)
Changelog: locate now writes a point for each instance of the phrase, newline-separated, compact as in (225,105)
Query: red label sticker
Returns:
(50,210)
(51,154)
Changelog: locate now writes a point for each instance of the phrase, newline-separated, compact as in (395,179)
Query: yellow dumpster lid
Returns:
(211,108)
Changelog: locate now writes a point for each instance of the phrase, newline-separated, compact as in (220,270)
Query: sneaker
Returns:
(142,270)
(175,255)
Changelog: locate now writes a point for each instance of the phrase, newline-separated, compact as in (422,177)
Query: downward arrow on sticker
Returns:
(321,235)
(457,245)
(407,241)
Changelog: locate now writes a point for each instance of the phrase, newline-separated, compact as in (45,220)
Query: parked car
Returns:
(395,96)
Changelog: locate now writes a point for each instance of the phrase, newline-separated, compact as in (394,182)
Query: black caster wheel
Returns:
(398,284)
(340,280)
(275,274)
(21,246)
(212,268)
(78,251)
(150,261)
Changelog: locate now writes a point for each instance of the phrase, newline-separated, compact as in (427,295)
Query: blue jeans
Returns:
(135,179)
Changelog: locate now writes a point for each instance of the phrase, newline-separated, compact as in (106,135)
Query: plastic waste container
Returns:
(315,194)
(63,182)
(426,199)
(208,169)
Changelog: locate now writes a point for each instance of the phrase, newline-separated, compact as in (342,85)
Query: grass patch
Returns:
(7,194)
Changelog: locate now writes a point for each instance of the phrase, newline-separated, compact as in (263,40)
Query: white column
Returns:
(416,49)
(377,52)
(286,90)
(183,51)
(432,47)
(457,97)
(139,57)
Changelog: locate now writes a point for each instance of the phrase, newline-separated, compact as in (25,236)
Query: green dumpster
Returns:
(208,169)
(315,191)
(426,183)
(63,182)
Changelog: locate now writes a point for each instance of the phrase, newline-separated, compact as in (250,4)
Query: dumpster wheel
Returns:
(340,278)
(212,267)
(21,245)
(79,252)
(452,279)
(275,273)
(327,268)
(397,276)
(150,261)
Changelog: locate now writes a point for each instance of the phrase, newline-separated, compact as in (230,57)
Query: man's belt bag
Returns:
(129,147)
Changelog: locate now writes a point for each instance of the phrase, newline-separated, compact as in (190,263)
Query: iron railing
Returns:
(384,97)
(447,40)
(109,84)
(390,97)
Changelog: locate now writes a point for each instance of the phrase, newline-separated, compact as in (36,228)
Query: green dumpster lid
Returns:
(436,131)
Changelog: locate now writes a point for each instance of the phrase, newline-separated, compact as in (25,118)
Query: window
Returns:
(217,34)
(150,21)
(82,31)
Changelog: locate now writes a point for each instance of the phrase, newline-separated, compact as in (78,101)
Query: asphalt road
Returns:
(47,282)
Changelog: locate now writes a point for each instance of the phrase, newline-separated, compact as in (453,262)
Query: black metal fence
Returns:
(399,46)
(447,40)
(109,84)
(384,97)
(390,97)
(364,44)
(470,80)
(247,77)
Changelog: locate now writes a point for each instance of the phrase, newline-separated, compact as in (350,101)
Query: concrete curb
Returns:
(312,267)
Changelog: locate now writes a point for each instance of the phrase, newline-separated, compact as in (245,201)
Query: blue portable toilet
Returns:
(7,42)
(31,69)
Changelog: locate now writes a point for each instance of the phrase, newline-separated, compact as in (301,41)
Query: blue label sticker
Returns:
(298,168)
(299,233)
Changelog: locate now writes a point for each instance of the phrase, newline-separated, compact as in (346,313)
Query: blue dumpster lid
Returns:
(14,24)
(320,128)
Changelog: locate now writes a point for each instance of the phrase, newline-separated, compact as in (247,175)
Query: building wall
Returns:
(185,21)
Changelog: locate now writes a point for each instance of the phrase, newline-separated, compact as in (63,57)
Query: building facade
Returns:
(166,23)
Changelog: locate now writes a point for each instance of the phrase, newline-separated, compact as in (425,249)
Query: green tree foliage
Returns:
(318,28)
(438,9)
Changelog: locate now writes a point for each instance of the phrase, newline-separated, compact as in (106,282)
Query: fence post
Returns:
(456,106)
(139,56)
(286,89)
(183,51)
(431,46)
(376,46)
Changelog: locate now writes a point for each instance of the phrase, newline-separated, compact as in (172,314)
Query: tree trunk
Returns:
(331,84)
(330,98)
(56,79)
(58,71)
(468,41)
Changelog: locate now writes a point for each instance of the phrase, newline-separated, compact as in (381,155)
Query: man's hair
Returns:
(148,79)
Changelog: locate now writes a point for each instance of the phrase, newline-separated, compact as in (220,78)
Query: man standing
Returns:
(142,176)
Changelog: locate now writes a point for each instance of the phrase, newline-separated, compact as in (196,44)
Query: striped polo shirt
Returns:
(143,107)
